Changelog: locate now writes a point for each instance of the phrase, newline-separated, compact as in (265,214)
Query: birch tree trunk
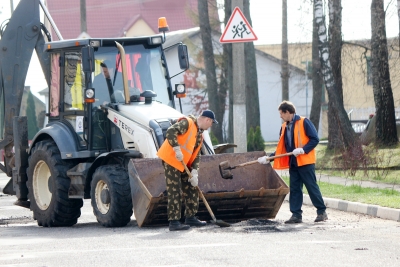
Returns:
(251,80)
(214,95)
(285,56)
(335,46)
(317,81)
(347,134)
(386,132)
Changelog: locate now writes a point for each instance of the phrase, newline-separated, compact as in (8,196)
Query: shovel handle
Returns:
(200,193)
(280,156)
(206,203)
(256,161)
(186,169)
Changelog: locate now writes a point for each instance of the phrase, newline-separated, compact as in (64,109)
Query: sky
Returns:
(266,16)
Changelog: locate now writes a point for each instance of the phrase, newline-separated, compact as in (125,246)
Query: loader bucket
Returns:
(256,191)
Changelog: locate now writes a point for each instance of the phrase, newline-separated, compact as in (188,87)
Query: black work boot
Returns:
(176,225)
(193,221)
(294,219)
(321,217)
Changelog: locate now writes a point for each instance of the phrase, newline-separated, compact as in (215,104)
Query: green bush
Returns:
(255,141)
(250,140)
(259,143)
(214,139)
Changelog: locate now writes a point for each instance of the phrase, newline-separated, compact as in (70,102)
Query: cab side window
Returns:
(55,85)
(74,82)
(74,87)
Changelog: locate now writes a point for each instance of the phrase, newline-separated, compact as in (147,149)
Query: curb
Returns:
(357,207)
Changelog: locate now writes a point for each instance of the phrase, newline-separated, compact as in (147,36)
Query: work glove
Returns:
(195,178)
(178,153)
(298,151)
(263,160)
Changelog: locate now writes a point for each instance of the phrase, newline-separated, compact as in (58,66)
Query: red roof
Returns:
(109,18)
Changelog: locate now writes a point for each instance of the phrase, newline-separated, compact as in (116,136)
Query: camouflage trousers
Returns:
(178,186)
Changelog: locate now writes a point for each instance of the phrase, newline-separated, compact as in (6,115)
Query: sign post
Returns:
(238,31)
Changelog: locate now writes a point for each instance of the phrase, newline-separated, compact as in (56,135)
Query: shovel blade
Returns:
(256,191)
(220,223)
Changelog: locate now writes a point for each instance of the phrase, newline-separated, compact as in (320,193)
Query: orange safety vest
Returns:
(186,141)
(300,139)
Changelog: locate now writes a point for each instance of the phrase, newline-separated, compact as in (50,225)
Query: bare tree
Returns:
(386,132)
(251,80)
(216,97)
(347,134)
(398,14)
(335,46)
(285,56)
(317,81)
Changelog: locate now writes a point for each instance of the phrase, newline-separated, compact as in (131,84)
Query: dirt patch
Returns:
(266,226)
(15,220)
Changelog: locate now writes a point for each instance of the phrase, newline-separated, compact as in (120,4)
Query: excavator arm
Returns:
(21,36)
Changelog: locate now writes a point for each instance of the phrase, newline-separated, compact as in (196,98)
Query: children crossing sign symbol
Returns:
(238,29)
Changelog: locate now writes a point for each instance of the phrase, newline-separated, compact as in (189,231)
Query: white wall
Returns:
(270,95)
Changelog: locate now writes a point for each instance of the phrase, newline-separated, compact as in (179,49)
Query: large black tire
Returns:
(48,186)
(111,196)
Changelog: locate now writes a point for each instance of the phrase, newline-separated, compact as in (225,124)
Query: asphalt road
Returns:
(346,239)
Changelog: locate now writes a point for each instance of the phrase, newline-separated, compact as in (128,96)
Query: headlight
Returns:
(156,40)
(180,88)
(89,93)
(95,43)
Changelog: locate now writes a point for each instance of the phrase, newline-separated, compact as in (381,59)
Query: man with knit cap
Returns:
(182,144)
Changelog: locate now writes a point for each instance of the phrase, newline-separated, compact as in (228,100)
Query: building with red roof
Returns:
(119,18)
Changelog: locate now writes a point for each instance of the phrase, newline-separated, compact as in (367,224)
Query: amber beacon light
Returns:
(162,25)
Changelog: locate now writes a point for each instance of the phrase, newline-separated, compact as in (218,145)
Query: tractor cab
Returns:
(87,75)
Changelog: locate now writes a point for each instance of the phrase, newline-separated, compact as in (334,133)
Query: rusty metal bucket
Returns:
(256,191)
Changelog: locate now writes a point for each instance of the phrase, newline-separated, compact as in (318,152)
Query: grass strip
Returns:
(355,193)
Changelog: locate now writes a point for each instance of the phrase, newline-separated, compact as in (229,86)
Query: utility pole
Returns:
(47,24)
(285,56)
(306,76)
(83,16)
(307,88)
(12,6)
(239,92)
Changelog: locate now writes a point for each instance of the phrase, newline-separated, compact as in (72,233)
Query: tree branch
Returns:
(355,44)
(388,6)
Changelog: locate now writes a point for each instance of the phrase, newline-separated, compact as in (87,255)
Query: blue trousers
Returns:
(299,176)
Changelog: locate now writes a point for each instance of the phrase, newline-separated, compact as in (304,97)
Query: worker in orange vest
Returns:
(298,135)
(183,143)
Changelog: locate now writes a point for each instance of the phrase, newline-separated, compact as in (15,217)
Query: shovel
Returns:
(220,223)
(225,168)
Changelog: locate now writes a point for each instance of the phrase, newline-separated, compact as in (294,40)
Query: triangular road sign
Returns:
(238,29)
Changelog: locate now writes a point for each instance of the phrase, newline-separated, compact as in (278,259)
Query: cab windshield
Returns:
(145,71)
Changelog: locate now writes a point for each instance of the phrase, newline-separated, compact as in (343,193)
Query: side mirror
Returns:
(183,57)
(88,64)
